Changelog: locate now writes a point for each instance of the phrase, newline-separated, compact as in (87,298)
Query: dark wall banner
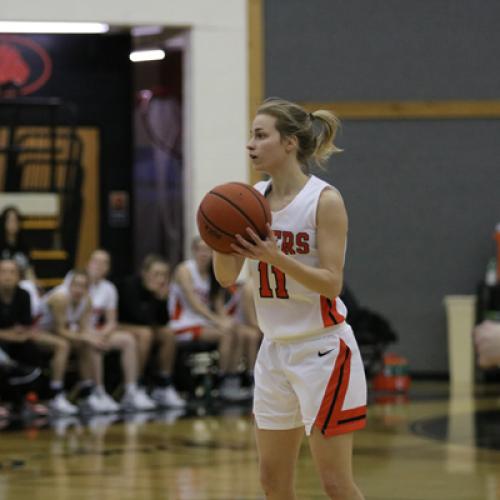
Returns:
(94,73)
(25,66)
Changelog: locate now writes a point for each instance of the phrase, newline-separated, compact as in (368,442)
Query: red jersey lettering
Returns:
(287,243)
(302,243)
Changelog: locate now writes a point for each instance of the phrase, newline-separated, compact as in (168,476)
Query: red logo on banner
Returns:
(25,66)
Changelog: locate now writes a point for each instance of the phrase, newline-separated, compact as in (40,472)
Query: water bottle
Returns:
(490,278)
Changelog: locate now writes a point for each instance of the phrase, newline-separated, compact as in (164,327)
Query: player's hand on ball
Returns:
(264,250)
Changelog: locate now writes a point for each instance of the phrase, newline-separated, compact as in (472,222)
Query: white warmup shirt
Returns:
(182,315)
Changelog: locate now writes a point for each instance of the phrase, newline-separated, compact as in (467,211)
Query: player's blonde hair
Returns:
(79,272)
(315,132)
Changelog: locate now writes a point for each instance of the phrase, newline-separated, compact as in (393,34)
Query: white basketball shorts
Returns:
(318,381)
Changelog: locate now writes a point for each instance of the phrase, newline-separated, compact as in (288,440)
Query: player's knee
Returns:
(165,334)
(212,335)
(127,343)
(337,489)
(248,334)
(268,481)
(144,334)
(62,347)
(242,332)
(231,333)
(272,481)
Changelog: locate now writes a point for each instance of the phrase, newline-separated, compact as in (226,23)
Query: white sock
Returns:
(99,390)
(56,385)
(130,388)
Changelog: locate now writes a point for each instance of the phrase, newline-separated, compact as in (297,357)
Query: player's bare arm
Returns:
(331,240)
(58,304)
(227,268)
(111,322)
(85,327)
(85,323)
(15,334)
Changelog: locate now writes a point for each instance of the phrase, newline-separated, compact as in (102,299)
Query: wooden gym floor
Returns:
(430,447)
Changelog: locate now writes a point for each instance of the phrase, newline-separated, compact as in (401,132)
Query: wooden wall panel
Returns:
(89,224)
(409,110)
(89,228)
(256,75)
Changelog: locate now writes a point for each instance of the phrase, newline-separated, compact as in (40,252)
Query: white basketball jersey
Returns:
(234,304)
(104,297)
(181,313)
(74,313)
(287,310)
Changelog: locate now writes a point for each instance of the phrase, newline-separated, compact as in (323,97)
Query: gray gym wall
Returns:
(423,196)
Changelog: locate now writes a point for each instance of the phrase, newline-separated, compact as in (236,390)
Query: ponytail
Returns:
(328,125)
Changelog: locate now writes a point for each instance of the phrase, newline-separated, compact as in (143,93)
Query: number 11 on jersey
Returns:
(265,290)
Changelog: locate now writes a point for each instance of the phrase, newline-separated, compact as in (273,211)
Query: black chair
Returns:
(196,368)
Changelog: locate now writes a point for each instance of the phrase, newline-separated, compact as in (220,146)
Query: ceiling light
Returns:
(51,27)
(147,55)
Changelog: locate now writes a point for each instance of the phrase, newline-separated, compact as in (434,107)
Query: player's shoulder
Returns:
(108,286)
(57,297)
(331,195)
(327,192)
(331,207)
(320,185)
(183,269)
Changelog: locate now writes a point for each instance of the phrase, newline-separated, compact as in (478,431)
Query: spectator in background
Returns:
(104,298)
(70,313)
(20,340)
(143,312)
(66,312)
(241,307)
(487,340)
(197,312)
(13,246)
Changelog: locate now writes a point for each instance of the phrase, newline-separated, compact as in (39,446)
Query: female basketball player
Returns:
(309,373)
(197,313)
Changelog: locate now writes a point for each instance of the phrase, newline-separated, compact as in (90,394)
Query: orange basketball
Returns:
(227,210)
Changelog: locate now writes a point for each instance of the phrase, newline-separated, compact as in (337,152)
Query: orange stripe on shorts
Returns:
(331,419)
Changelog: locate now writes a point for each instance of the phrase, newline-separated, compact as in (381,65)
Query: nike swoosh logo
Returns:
(325,353)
